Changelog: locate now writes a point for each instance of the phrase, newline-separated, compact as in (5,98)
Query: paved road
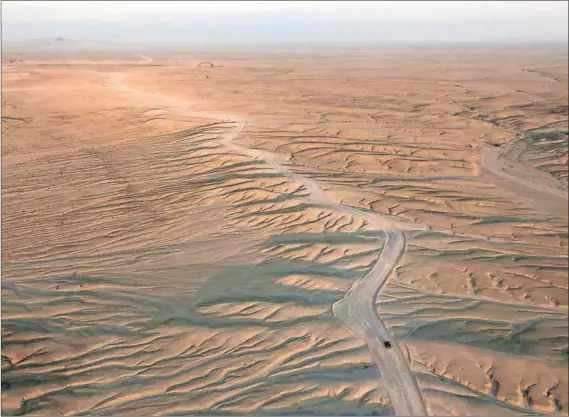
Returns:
(357,310)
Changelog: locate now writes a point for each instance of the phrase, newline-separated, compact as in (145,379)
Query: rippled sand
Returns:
(150,269)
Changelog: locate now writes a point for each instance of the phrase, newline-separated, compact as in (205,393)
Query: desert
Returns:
(354,230)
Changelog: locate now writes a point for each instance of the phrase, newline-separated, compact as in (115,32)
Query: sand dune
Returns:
(151,266)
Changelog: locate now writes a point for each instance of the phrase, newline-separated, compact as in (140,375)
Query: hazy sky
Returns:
(266,21)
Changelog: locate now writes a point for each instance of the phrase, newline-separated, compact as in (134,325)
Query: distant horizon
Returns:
(51,41)
(247,22)
(291,42)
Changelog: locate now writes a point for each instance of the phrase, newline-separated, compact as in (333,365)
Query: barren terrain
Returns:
(242,239)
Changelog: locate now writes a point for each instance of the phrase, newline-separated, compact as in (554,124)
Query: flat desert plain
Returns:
(246,238)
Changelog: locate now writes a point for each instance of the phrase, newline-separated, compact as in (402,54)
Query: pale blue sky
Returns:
(262,21)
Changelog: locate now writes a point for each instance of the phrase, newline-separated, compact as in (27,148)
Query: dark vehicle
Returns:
(387,345)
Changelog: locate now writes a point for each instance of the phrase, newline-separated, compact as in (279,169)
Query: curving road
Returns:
(357,310)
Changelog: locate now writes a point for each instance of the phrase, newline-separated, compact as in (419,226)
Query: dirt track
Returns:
(357,308)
